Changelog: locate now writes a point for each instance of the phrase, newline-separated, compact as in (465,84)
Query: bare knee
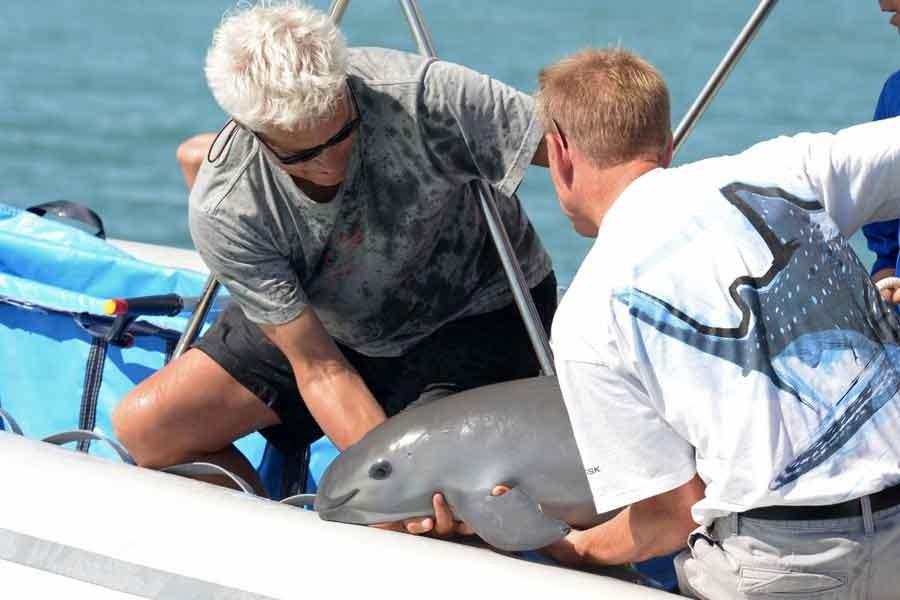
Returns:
(137,426)
(190,155)
(186,411)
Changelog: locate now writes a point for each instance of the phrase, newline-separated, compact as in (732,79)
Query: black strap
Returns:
(303,468)
(103,331)
(65,209)
(170,350)
(293,472)
(93,378)
(209,156)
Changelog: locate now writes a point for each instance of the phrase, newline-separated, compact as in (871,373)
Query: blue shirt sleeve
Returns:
(889,101)
(882,238)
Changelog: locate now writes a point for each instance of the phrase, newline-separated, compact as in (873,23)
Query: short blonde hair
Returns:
(277,66)
(611,104)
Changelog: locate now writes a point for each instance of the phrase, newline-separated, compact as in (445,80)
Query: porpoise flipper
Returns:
(512,521)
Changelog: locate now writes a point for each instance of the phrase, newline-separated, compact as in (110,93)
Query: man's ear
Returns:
(560,160)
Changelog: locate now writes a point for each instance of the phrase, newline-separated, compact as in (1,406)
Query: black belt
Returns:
(886,498)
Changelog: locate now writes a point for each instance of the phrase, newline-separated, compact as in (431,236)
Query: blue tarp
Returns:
(50,273)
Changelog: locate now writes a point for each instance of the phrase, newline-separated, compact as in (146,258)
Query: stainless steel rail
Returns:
(417,26)
(195,323)
(337,10)
(488,199)
(192,329)
(751,28)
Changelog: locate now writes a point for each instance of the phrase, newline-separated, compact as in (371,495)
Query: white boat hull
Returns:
(70,522)
(164,256)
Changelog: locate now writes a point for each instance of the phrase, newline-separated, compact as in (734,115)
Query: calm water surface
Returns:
(95,96)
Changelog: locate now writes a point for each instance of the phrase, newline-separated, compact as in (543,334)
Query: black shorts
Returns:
(463,354)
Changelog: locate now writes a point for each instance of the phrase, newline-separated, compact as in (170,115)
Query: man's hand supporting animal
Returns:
(652,527)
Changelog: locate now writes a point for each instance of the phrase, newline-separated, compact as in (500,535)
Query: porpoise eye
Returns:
(380,470)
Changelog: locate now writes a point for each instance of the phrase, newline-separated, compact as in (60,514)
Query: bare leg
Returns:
(191,410)
(169,419)
(191,154)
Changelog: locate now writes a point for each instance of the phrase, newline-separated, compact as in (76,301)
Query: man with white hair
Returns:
(337,209)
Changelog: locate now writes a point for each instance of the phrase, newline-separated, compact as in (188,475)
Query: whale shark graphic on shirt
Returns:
(814,308)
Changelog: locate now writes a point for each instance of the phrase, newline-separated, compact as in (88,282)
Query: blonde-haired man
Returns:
(732,366)
(336,208)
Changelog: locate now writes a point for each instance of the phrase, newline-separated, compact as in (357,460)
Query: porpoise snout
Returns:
(325,503)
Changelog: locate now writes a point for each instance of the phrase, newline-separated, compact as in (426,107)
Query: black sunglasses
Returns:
(310,153)
(562,136)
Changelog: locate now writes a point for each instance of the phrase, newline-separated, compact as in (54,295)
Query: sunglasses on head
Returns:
(310,153)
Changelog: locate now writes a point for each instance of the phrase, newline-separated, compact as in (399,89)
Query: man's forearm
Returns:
(341,404)
(653,527)
(335,394)
(631,536)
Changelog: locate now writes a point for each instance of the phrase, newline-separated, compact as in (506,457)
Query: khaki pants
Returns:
(737,557)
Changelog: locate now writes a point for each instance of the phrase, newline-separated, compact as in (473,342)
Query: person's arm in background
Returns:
(882,237)
(894,7)
(854,173)
(190,155)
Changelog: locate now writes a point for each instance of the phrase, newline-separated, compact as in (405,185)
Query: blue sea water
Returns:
(95,96)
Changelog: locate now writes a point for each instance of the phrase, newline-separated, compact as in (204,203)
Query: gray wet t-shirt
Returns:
(403,248)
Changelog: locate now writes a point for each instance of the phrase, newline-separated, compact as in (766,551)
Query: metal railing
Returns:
(721,73)
(488,200)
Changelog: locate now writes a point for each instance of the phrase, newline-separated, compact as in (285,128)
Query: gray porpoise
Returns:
(515,433)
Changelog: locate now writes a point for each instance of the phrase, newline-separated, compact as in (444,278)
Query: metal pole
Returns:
(192,329)
(417,26)
(721,73)
(508,259)
(195,323)
(517,282)
(337,10)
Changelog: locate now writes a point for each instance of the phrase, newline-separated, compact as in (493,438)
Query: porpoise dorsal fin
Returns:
(512,521)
